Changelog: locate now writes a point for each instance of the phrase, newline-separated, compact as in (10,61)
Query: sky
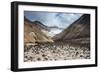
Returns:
(59,19)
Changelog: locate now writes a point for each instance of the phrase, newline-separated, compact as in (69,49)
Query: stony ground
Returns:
(53,52)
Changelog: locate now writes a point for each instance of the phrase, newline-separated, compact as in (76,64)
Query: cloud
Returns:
(58,19)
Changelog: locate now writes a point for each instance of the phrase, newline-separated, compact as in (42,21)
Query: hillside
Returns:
(33,32)
(78,32)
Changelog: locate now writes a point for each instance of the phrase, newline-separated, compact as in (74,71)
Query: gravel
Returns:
(54,52)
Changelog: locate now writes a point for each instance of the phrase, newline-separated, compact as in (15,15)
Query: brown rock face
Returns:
(33,33)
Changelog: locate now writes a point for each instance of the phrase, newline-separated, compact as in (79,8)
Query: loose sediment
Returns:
(54,52)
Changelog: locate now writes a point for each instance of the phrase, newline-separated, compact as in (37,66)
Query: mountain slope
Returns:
(33,33)
(79,30)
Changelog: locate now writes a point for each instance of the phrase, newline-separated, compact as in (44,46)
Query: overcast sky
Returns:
(62,20)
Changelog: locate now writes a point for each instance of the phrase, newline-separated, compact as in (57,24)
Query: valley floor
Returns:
(54,52)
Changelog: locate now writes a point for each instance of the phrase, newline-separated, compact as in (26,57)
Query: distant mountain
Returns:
(55,27)
(79,30)
(39,25)
(33,32)
(53,30)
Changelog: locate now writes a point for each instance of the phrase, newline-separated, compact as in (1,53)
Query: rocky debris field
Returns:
(54,52)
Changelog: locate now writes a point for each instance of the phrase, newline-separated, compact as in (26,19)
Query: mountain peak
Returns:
(40,25)
(37,22)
